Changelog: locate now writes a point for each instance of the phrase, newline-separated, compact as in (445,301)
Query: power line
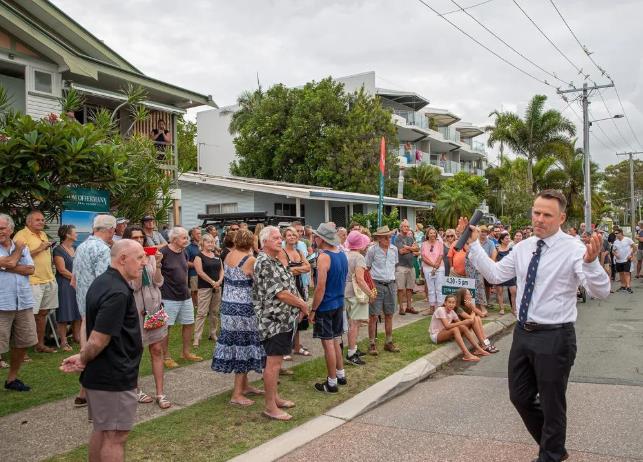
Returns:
(614,121)
(507,45)
(580,70)
(467,8)
(580,119)
(600,69)
(614,145)
(544,82)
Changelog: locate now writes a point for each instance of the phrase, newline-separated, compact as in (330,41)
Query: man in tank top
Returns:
(328,304)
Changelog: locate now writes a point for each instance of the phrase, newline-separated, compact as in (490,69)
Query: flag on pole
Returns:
(380,207)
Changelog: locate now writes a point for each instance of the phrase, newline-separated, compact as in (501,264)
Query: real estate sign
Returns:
(81,207)
(452,284)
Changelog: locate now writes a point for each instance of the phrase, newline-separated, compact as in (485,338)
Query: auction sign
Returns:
(452,284)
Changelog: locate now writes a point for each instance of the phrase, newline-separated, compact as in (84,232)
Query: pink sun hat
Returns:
(356,241)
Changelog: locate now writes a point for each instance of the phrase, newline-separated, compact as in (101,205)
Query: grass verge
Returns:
(49,384)
(214,431)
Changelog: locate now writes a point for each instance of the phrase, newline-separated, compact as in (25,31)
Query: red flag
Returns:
(382,155)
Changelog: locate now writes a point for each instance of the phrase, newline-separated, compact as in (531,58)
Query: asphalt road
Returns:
(464,414)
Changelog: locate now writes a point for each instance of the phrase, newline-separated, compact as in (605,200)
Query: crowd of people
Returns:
(258,290)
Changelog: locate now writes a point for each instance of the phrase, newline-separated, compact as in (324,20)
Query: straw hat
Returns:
(382,231)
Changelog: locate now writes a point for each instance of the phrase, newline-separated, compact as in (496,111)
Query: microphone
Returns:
(477,215)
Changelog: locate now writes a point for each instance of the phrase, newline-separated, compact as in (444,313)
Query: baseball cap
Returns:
(104,222)
(148,218)
(121,220)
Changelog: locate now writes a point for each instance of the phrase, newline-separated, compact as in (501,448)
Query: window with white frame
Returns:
(43,82)
(289,210)
(230,207)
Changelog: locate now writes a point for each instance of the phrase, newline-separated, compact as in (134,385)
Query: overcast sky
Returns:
(217,47)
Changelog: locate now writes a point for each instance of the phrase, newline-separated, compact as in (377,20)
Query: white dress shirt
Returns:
(560,271)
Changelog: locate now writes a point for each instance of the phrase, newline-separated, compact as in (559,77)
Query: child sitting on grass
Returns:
(466,309)
(445,325)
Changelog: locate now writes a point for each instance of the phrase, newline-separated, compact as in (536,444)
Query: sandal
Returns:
(281,417)
(491,348)
(242,403)
(287,358)
(66,347)
(286,405)
(302,352)
(143,398)
(163,402)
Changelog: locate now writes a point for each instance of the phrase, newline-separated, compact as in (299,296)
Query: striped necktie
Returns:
(529,283)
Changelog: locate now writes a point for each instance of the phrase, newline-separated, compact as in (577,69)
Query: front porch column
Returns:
(350,211)
(298,207)
(326,212)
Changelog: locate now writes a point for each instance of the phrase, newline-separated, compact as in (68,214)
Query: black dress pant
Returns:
(539,365)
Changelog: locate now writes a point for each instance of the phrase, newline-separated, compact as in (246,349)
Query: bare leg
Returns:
(457,336)
(372,327)
(95,444)
(512,295)
(240,382)
(62,333)
(83,341)
(477,329)
(166,344)
(339,357)
(472,339)
(409,299)
(388,326)
(296,343)
(113,447)
(75,330)
(353,332)
(400,300)
(156,356)
(330,355)
(15,361)
(187,331)
(501,298)
(270,378)
(41,321)
(626,278)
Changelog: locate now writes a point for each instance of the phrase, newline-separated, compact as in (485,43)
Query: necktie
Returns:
(529,283)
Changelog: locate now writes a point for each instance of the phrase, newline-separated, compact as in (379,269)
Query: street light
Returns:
(616,116)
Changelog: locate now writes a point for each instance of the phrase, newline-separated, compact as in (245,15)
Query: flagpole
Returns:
(380,206)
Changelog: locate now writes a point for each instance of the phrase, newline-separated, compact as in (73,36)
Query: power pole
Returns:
(632,199)
(587,191)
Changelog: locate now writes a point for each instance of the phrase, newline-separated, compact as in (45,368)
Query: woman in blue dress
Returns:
(67,311)
(238,349)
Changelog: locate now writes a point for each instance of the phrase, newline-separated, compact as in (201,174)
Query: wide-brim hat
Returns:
(356,241)
(328,233)
(382,231)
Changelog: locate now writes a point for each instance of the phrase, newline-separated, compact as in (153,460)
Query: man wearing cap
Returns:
(381,259)
(92,259)
(152,237)
(43,282)
(327,312)
(121,224)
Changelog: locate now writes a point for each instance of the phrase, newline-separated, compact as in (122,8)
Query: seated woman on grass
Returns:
(465,307)
(446,325)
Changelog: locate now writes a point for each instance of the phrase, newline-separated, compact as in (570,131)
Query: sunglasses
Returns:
(450,236)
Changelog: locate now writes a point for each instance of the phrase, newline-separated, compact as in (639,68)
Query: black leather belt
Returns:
(384,283)
(533,326)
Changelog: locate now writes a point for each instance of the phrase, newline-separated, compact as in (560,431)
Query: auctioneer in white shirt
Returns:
(560,271)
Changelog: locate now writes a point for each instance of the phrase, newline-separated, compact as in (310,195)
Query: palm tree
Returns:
(248,102)
(422,182)
(539,134)
(453,203)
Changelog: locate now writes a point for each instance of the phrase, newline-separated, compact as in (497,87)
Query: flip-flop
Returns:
(287,358)
(234,402)
(302,352)
(285,417)
(475,359)
(286,405)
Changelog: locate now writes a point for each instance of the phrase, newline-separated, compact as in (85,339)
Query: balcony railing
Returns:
(450,133)
(478,147)
(416,119)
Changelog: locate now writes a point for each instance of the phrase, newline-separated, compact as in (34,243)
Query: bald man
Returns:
(110,359)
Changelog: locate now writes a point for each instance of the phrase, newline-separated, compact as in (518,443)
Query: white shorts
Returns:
(434,338)
(45,296)
(179,312)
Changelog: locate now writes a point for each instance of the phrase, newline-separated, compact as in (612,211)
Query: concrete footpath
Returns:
(371,398)
(57,427)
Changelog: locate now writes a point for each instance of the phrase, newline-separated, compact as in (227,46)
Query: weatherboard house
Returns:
(43,52)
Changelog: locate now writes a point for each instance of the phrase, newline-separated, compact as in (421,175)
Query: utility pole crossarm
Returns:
(575,90)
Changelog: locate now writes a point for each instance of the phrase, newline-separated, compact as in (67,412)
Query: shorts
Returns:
(385,299)
(179,312)
(194,283)
(639,254)
(17,329)
(356,311)
(328,324)
(404,278)
(45,296)
(624,267)
(434,338)
(112,410)
(278,345)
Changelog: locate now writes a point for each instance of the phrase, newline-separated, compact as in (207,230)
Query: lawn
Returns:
(215,431)
(49,384)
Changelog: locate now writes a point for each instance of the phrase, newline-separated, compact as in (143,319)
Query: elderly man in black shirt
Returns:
(110,359)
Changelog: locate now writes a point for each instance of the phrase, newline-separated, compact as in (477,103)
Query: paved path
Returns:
(57,427)
(464,414)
